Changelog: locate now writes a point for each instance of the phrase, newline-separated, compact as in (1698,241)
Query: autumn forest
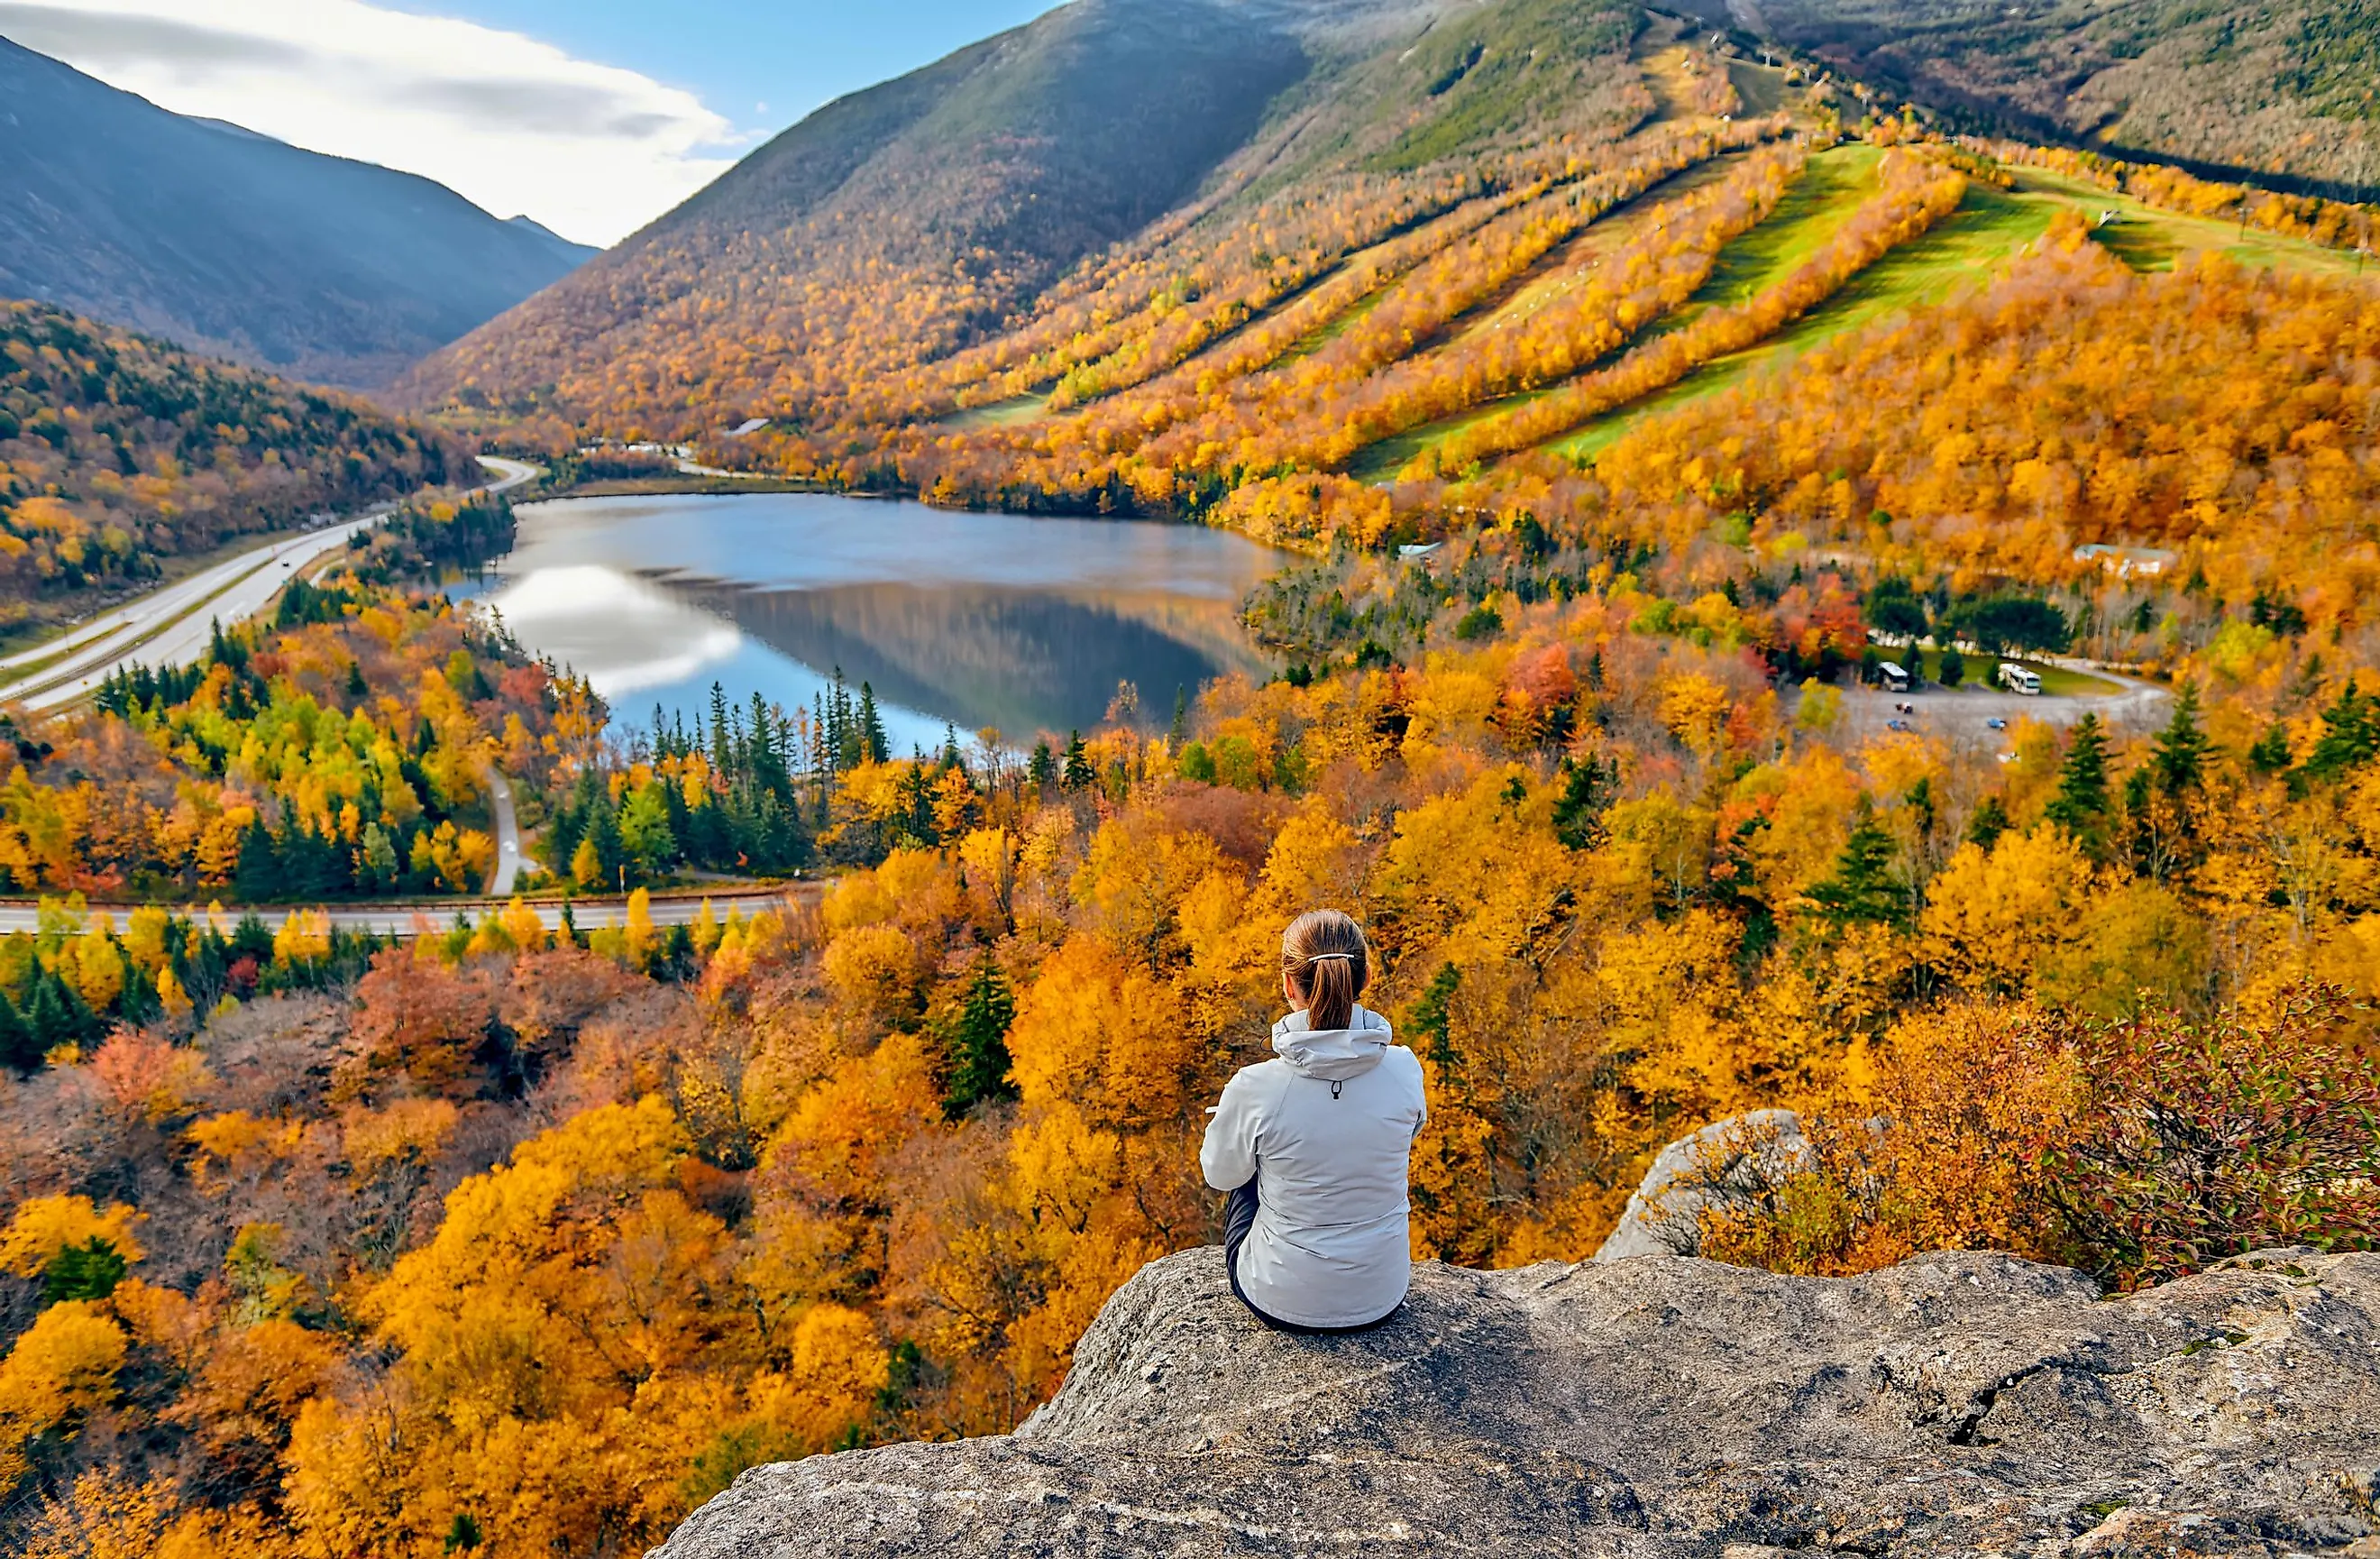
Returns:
(1619,403)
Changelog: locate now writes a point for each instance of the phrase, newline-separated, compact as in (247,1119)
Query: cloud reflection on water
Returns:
(973,620)
(627,636)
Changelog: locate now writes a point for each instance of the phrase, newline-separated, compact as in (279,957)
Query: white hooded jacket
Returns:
(1326,1133)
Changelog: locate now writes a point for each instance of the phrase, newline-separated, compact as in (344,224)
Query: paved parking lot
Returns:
(1964,713)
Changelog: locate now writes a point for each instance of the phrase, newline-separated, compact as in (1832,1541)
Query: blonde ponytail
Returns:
(1324,956)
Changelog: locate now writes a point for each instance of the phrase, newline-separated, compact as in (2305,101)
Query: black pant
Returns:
(1239,1217)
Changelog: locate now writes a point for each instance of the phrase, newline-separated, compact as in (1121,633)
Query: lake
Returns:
(970,620)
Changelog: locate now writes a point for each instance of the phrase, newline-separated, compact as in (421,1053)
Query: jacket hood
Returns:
(1332,1055)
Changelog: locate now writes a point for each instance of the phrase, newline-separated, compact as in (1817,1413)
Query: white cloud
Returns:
(591,151)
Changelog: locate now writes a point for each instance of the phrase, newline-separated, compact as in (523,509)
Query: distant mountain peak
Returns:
(232,242)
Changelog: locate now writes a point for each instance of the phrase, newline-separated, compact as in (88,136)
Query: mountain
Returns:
(1164,256)
(235,244)
(948,196)
(909,221)
(118,451)
(2281,89)
(571,255)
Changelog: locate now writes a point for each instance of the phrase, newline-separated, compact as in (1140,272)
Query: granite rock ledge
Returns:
(1958,1404)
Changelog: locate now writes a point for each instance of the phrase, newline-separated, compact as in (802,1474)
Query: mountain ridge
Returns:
(1011,195)
(2281,92)
(998,174)
(234,244)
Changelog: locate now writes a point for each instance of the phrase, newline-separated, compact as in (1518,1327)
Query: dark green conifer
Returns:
(2351,735)
(2270,754)
(1862,889)
(1587,792)
(975,1042)
(1432,1017)
(2181,749)
(88,1270)
(2081,805)
(874,745)
(19,1049)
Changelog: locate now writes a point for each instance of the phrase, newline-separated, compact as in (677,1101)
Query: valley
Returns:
(161,628)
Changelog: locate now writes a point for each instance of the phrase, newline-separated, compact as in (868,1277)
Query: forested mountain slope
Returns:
(909,222)
(119,452)
(239,245)
(2284,88)
(1391,237)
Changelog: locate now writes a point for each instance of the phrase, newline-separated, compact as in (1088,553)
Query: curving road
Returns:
(508,840)
(173,624)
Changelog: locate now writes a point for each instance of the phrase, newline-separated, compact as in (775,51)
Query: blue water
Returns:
(955,620)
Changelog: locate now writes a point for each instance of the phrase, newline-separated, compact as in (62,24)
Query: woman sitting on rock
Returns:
(1314,1148)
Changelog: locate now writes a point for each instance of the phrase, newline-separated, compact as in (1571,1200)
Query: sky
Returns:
(592,116)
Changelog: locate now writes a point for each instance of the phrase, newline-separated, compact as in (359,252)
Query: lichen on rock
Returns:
(1958,1404)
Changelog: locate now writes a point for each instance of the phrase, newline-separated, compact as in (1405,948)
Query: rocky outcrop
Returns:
(1958,1404)
(1664,1215)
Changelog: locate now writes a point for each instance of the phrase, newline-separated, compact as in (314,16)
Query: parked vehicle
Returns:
(1892,677)
(2020,679)
(1996,723)
(1897,724)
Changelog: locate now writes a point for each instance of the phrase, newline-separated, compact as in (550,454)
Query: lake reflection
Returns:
(964,619)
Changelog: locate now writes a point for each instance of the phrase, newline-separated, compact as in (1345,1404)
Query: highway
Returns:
(437,918)
(173,624)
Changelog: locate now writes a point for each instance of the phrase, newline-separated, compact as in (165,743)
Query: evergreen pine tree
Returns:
(88,1270)
(2081,805)
(1587,792)
(875,748)
(1862,888)
(2350,737)
(138,1002)
(766,762)
(718,728)
(2181,750)
(357,687)
(47,1019)
(1042,768)
(603,836)
(1991,821)
(679,960)
(843,735)
(251,938)
(19,1049)
(1433,1017)
(1077,775)
(2270,754)
(257,875)
(975,1044)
